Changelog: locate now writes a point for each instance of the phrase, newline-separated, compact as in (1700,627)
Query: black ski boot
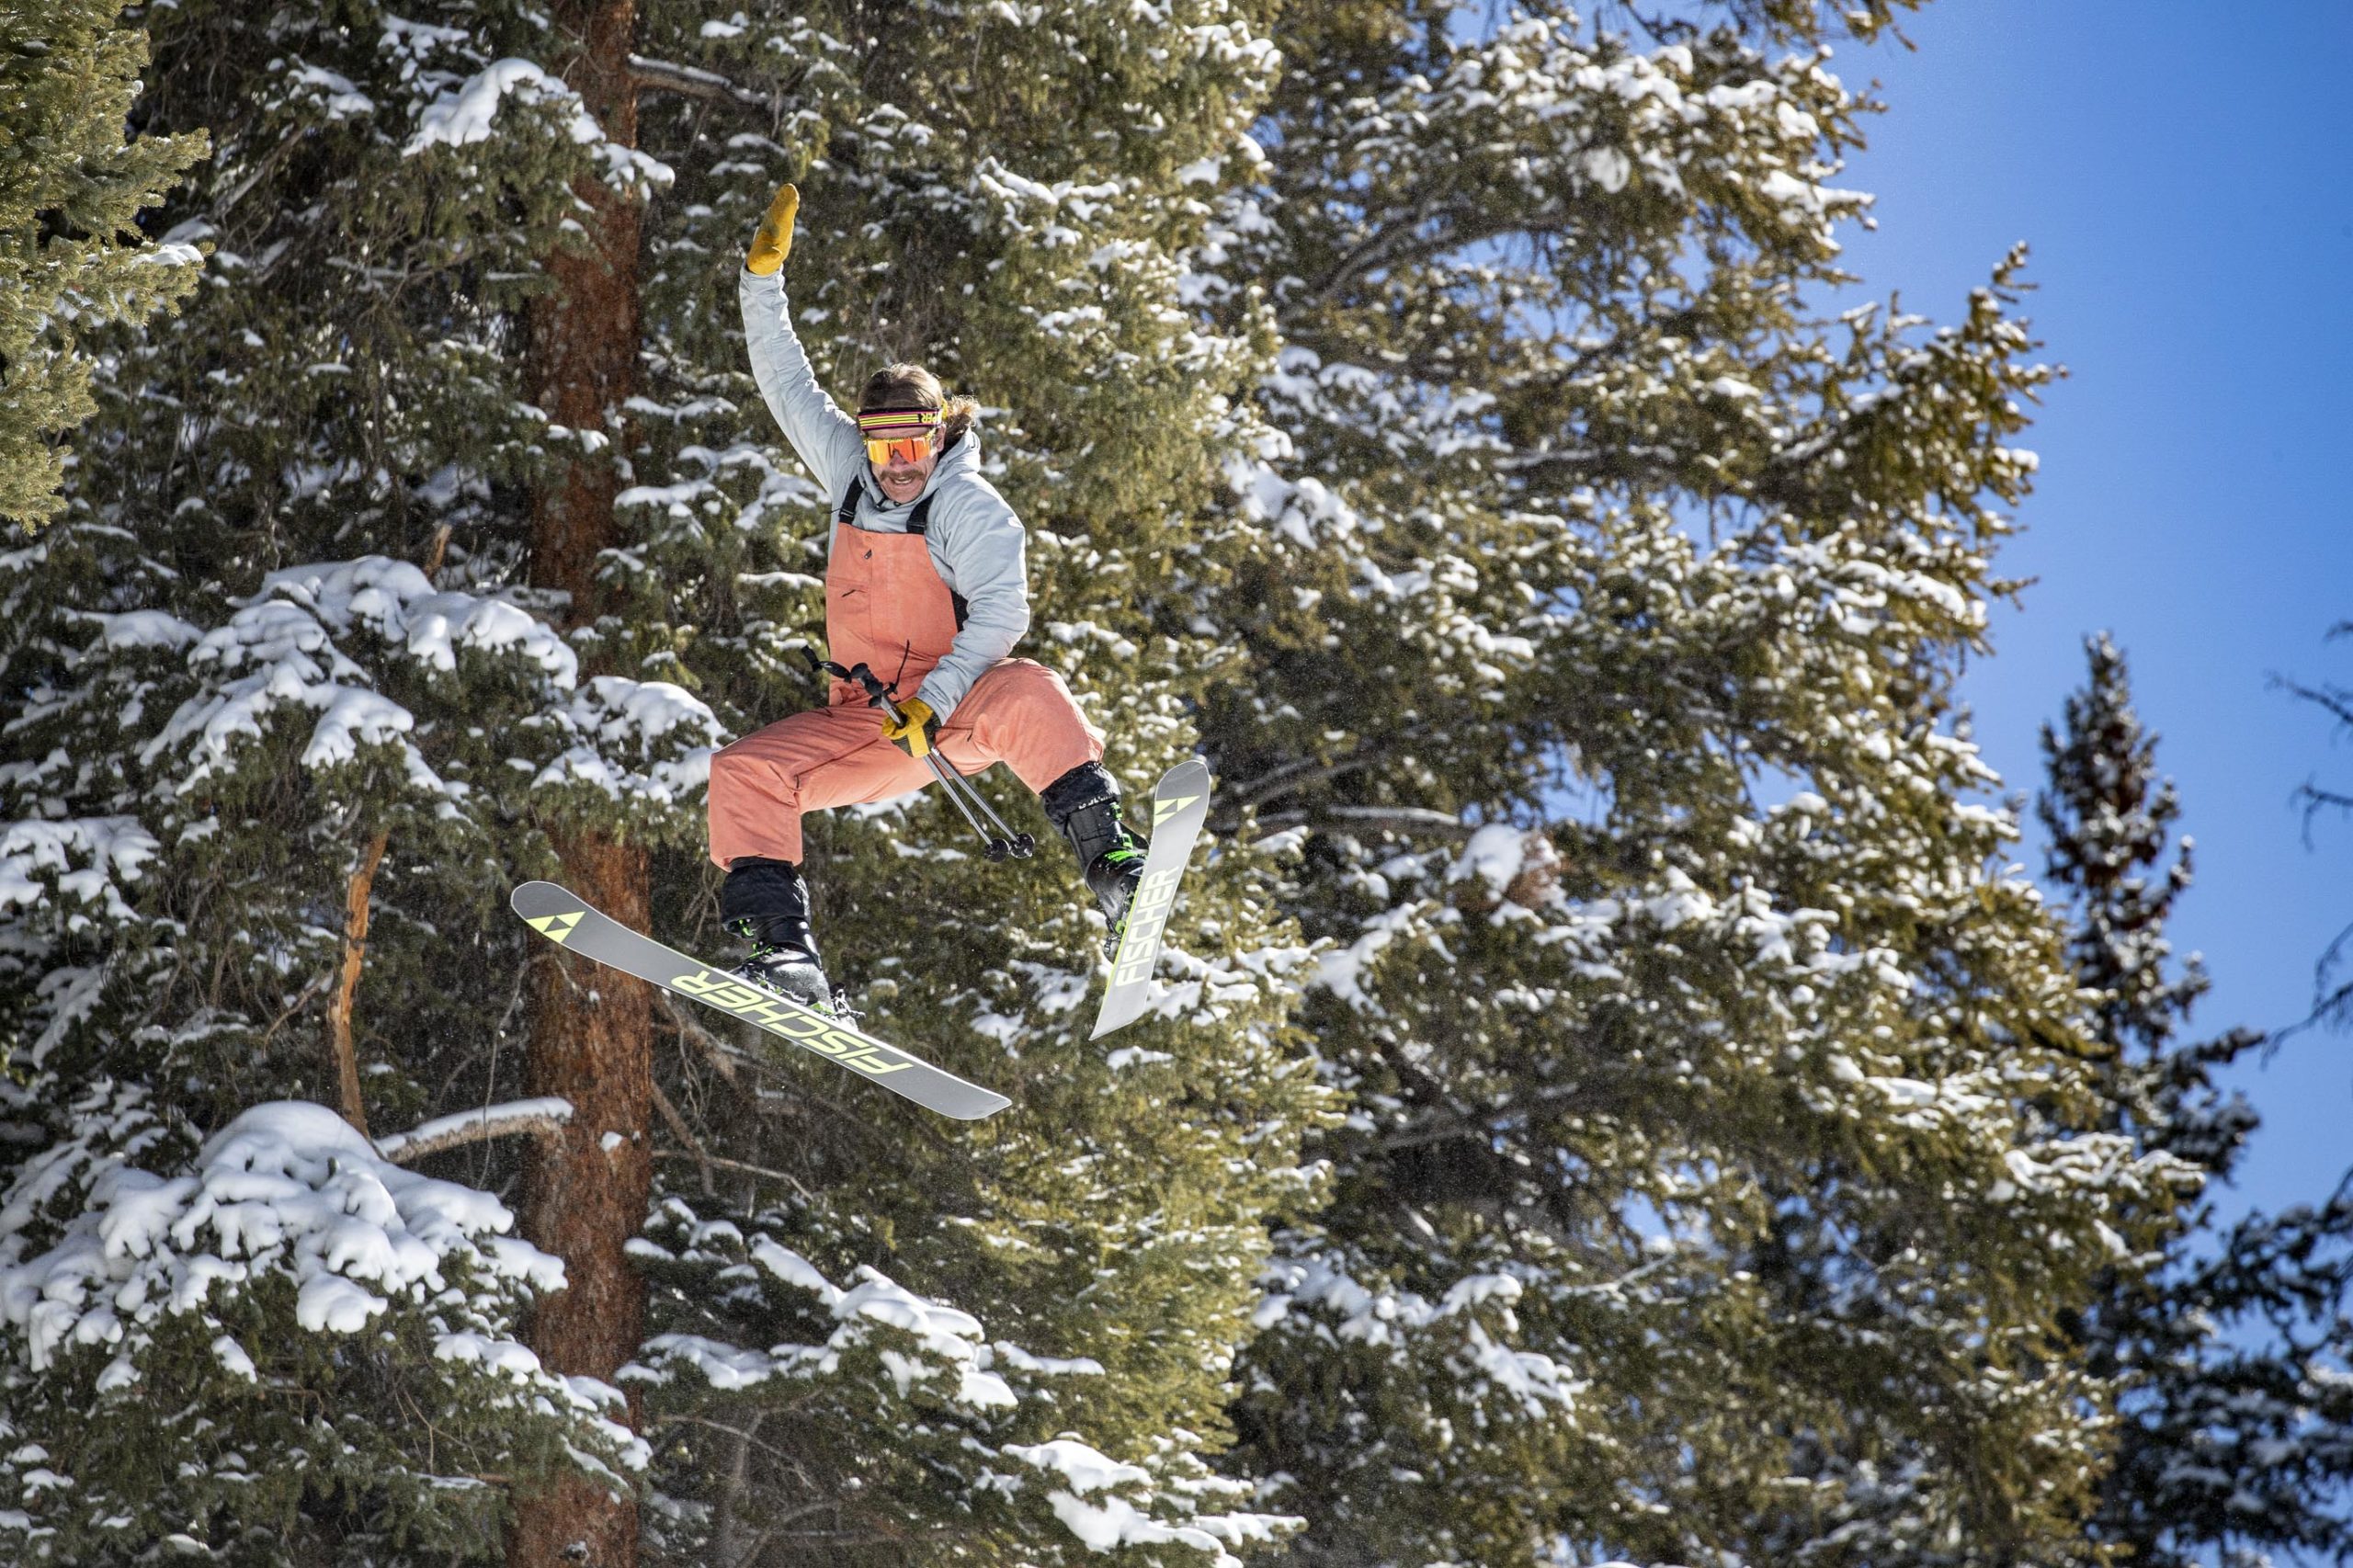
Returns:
(767,904)
(1084,806)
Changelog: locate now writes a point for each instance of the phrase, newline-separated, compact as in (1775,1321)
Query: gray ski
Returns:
(1179,806)
(564,918)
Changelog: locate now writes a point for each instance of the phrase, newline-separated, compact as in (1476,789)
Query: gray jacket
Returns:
(977,544)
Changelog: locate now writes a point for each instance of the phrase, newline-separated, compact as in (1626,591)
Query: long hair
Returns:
(912,386)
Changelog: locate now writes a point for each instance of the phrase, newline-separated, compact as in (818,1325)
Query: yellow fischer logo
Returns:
(556,928)
(1145,917)
(844,1046)
(1163,810)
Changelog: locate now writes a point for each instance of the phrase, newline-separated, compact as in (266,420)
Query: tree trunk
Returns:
(585,1194)
(586,1190)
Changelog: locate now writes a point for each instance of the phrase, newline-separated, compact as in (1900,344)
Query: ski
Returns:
(1180,804)
(567,920)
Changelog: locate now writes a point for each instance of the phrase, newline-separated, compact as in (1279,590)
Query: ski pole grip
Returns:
(878,695)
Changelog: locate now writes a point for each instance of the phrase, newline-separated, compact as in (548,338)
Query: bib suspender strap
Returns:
(919,524)
(918,520)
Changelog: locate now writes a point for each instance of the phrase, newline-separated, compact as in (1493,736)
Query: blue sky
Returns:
(2184,173)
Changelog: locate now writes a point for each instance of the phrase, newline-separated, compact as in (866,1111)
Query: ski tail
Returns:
(1180,805)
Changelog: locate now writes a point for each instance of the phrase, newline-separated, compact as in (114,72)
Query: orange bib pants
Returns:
(887,606)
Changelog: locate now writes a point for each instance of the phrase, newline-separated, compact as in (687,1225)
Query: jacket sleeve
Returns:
(826,439)
(982,553)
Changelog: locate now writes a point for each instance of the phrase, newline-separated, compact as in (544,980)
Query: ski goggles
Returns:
(897,435)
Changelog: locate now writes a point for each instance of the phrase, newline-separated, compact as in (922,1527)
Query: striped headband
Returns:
(897,423)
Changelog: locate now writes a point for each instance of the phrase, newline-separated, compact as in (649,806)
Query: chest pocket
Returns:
(918,527)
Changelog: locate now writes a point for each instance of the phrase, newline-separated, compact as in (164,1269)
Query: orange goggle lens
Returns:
(904,449)
(897,435)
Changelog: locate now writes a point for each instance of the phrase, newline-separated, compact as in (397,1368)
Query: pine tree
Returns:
(318,664)
(591,1040)
(72,257)
(1005,198)
(302,716)
(2230,1445)
(1721,1159)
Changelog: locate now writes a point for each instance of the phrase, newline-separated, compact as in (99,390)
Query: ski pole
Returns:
(1022,842)
(960,789)
(967,795)
(998,848)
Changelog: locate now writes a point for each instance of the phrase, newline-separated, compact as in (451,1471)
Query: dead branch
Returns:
(355,947)
(717,1052)
(685,1134)
(722,1163)
(692,82)
(542,1118)
(435,549)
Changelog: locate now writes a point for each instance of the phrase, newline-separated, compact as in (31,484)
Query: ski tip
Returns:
(541,897)
(980,1107)
(1115,1019)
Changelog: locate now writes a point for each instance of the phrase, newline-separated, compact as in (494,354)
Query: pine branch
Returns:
(685,1134)
(542,1117)
(1397,819)
(1397,243)
(2337,702)
(1292,776)
(694,82)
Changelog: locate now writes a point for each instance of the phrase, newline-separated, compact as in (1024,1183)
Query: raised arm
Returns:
(825,438)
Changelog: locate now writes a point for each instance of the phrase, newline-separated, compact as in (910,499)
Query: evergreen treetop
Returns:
(73,259)
(2231,1403)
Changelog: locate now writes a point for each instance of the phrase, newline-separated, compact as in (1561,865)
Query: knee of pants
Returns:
(1029,684)
(733,769)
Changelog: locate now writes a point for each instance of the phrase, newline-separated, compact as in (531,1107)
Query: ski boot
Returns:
(1084,805)
(767,904)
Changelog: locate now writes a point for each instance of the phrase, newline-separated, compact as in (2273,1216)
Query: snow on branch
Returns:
(693,82)
(542,1117)
(1396,819)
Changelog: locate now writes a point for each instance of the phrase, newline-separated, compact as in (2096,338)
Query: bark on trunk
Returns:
(584,1194)
(586,1190)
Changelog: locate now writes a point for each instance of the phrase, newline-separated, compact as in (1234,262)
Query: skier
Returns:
(926,584)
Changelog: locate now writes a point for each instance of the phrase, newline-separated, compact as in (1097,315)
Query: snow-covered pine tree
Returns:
(2109,817)
(591,1033)
(1001,193)
(298,713)
(308,693)
(2231,1442)
(72,257)
(1721,1159)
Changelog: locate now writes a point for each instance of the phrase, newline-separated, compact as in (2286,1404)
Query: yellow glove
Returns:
(774,242)
(915,728)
